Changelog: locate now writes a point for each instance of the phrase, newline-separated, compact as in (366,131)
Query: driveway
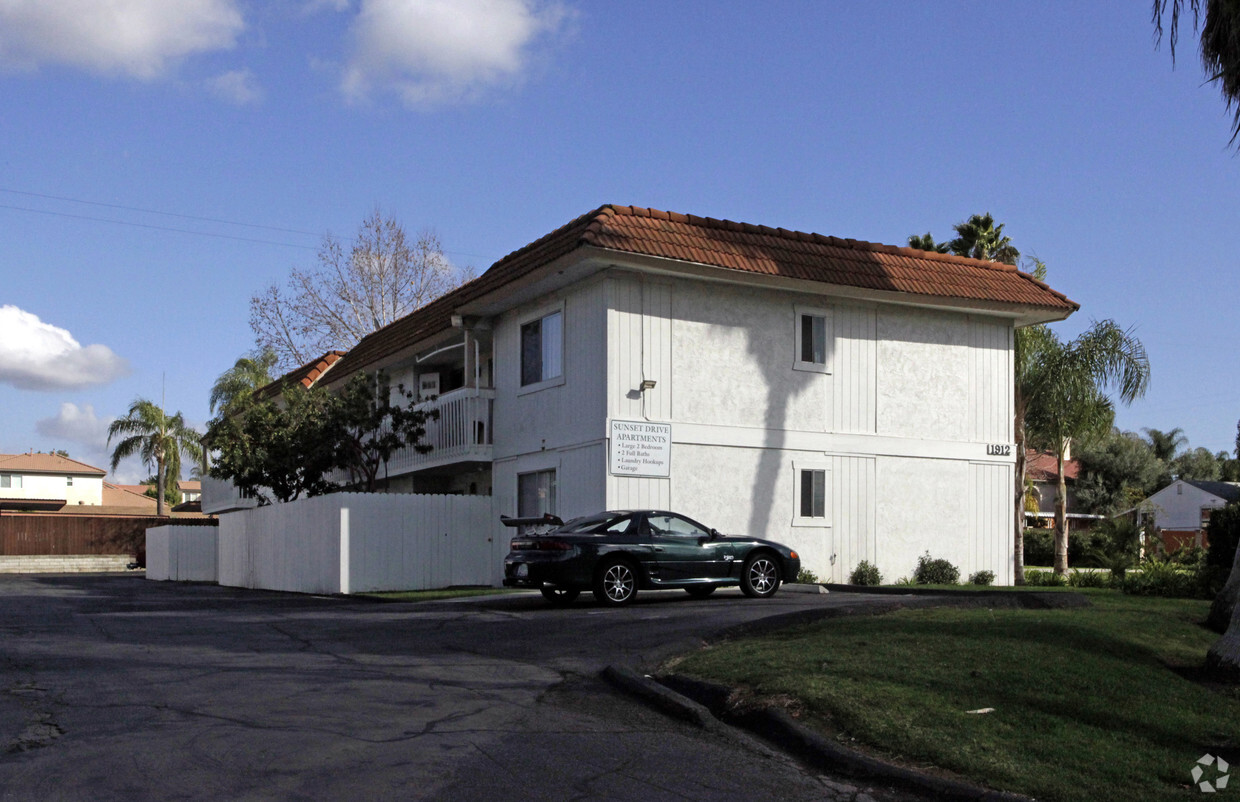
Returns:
(114,687)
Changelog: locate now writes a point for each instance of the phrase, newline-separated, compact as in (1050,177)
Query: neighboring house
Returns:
(1042,469)
(849,399)
(48,482)
(58,514)
(1181,510)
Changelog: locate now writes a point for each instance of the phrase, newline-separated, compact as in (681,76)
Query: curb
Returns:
(793,587)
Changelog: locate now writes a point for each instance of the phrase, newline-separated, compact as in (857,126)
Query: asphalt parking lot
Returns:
(114,687)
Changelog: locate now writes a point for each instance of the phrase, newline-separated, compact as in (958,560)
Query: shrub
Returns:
(806,577)
(1043,579)
(866,573)
(982,578)
(935,572)
(1161,578)
(1039,547)
(1088,579)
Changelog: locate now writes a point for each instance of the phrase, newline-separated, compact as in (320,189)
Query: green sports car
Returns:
(615,554)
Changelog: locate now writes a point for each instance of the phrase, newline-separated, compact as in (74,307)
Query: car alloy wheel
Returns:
(760,577)
(616,584)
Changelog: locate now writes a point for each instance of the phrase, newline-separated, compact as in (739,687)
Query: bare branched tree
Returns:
(355,289)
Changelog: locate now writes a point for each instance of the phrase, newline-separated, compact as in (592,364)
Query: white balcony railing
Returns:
(461,434)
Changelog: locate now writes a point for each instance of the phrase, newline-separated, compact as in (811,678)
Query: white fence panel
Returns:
(182,553)
(359,542)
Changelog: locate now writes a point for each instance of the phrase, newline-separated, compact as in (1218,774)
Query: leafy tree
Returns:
(283,449)
(358,288)
(1197,464)
(1067,399)
(1116,472)
(1220,44)
(159,438)
(247,374)
(172,490)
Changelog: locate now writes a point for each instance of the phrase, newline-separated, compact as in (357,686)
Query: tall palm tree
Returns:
(1066,398)
(925,242)
(979,238)
(1220,45)
(159,438)
(1166,445)
(245,376)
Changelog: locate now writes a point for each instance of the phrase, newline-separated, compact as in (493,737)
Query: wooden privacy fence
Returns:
(37,535)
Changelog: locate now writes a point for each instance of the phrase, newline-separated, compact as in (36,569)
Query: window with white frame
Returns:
(68,481)
(810,503)
(10,480)
(536,493)
(542,349)
(813,332)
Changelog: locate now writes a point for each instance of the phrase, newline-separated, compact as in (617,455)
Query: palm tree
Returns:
(248,374)
(1220,45)
(1066,399)
(925,242)
(159,438)
(1166,445)
(979,238)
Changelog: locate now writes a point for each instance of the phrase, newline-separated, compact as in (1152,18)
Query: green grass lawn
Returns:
(1088,703)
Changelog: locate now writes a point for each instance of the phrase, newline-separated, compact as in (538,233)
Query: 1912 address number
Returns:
(998,450)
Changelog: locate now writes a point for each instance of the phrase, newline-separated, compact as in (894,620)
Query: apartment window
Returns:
(812,334)
(536,493)
(68,481)
(542,349)
(9,480)
(811,494)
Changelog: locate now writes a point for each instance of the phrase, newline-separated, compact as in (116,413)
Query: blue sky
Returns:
(159,168)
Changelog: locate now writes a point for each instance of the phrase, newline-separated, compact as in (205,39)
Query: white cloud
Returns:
(77,425)
(39,356)
(139,38)
(238,87)
(431,51)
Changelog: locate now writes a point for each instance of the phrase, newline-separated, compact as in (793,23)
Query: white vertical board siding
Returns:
(854,370)
(560,415)
(160,558)
(852,503)
(639,346)
(991,544)
(990,380)
(639,492)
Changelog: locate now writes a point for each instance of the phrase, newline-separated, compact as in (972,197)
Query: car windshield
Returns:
(591,524)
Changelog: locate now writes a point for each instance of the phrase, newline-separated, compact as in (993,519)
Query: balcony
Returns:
(462,434)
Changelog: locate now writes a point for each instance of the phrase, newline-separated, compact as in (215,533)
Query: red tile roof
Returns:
(47,463)
(306,375)
(1041,466)
(733,246)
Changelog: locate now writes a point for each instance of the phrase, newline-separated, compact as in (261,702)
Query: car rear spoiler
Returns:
(546,519)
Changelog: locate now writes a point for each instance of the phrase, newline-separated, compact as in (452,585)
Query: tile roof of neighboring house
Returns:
(733,246)
(1224,490)
(47,463)
(127,496)
(1041,466)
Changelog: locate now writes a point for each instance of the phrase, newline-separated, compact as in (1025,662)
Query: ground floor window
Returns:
(810,502)
(536,493)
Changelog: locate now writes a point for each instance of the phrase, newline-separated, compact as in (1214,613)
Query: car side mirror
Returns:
(714,534)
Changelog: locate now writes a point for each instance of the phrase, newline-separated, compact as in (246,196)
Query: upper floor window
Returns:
(812,334)
(10,480)
(68,481)
(542,349)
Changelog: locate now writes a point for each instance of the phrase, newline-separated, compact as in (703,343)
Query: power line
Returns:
(155,211)
(157,228)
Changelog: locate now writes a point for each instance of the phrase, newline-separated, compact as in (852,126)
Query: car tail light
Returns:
(541,545)
(794,555)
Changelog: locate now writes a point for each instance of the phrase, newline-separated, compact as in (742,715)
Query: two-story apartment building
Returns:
(850,399)
(48,482)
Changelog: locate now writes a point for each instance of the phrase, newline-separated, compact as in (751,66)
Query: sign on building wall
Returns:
(641,448)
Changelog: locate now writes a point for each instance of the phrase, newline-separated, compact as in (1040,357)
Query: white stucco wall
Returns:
(85,490)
